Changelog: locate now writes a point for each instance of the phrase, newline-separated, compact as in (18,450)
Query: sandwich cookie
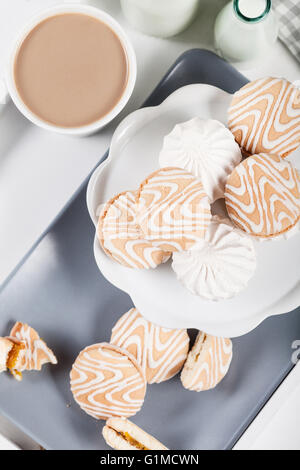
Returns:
(24,350)
(264,117)
(205,148)
(160,352)
(9,352)
(207,364)
(122,434)
(263,196)
(106,381)
(121,238)
(174,211)
(220,266)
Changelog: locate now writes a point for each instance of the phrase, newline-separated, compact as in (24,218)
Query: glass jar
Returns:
(246,30)
(162,18)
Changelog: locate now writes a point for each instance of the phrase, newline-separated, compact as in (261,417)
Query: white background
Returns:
(39,171)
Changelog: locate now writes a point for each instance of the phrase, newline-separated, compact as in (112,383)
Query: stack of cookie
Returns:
(261,192)
(172,215)
(201,161)
(169,212)
(109,380)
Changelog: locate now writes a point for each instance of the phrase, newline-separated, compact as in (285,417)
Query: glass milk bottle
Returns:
(246,30)
(162,18)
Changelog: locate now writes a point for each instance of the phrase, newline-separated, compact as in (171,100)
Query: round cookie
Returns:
(207,364)
(205,148)
(121,238)
(264,117)
(160,352)
(263,196)
(106,382)
(220,266)
(174,211)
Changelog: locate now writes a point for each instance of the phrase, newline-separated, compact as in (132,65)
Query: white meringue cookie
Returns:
(207,149)
(220,266)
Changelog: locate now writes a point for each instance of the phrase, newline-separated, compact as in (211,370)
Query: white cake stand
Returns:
(157,294)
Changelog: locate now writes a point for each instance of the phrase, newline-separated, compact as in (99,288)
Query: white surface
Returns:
(7,445)
(277,425)
(159,18)
(131,60)
(35,164)
(142,133)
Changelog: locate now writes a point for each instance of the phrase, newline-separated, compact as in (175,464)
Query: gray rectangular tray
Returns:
(58,290)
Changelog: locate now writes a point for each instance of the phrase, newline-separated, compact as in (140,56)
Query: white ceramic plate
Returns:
(275,287)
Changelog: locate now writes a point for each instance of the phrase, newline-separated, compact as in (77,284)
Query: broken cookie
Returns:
(24,350)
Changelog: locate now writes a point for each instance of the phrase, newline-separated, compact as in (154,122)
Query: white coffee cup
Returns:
(131,64)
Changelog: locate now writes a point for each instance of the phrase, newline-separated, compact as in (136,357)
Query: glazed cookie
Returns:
(122,434)
(205,148)
(36,352)
(160,352)
(207,364)
(220,266)
(7,352)
(264,117)
(24,350)
(106,381)
(121,238)
(263,196)
(174,211)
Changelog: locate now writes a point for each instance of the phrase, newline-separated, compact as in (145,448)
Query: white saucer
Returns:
(157,294)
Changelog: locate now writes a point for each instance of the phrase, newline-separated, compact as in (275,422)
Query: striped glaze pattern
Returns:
(264,117)
(106,382)
(263,196)
(160,352)
(121,238)
(174,211)
(207,363)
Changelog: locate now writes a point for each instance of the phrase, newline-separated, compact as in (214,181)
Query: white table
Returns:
(39,171)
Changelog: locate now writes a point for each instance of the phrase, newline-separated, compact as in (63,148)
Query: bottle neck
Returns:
(252,11)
